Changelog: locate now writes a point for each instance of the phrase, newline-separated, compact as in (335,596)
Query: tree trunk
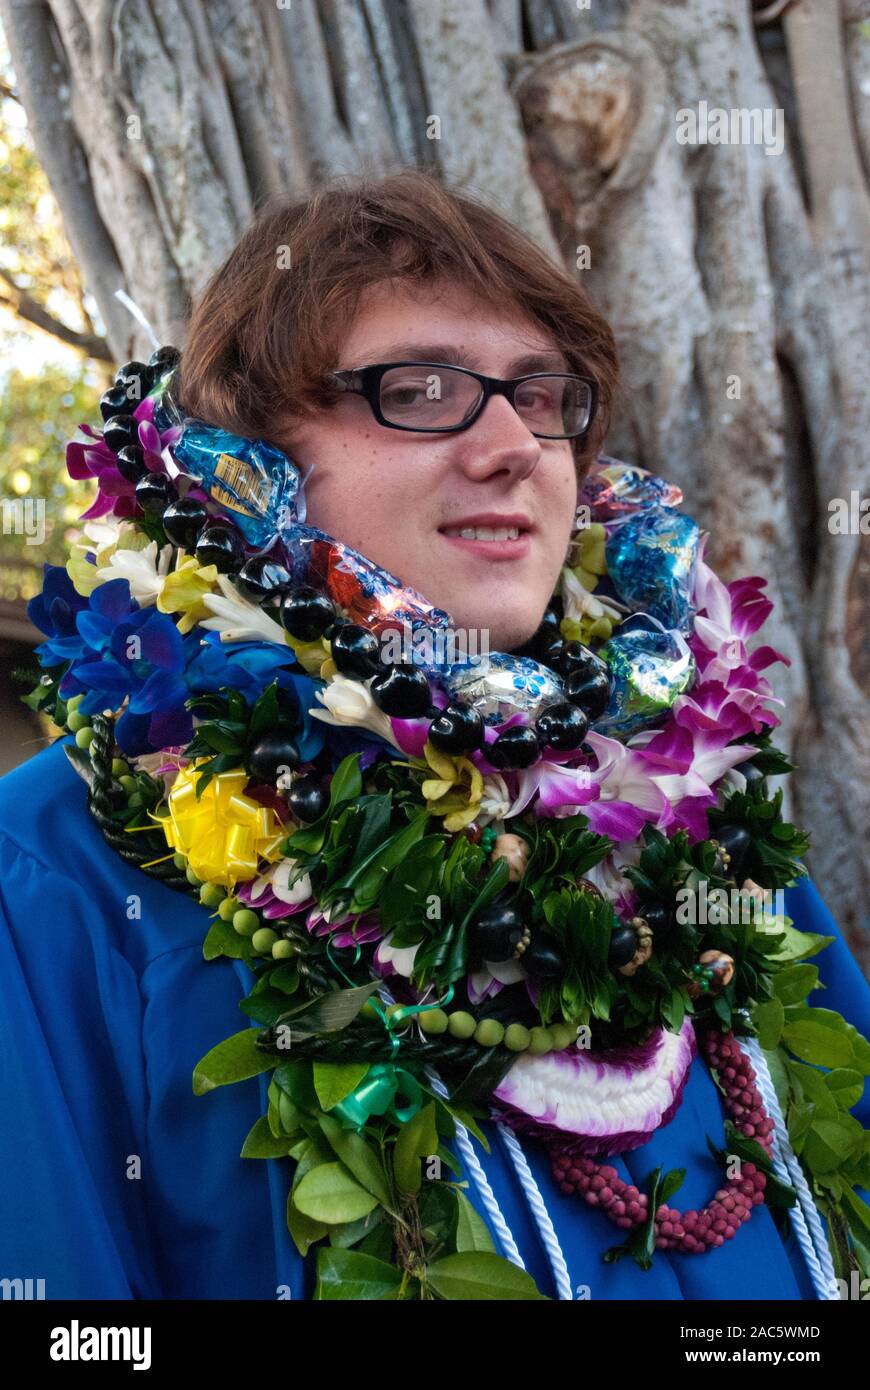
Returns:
(737,280)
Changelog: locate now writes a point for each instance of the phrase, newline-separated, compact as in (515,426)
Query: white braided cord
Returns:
(805,1218)
(478,1176)
(532,1194)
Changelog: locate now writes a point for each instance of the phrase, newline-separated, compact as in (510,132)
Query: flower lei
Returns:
(451,913)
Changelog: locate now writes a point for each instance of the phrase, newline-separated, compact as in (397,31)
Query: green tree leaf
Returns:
(234,1059)
(471,1230)
(261,1142)
(480,1275)
(348,1274)
(302,1228)
(418,1138)
(329,1194)
(359,1157)
(333,1081)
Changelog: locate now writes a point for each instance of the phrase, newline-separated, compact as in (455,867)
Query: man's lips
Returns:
(510,548)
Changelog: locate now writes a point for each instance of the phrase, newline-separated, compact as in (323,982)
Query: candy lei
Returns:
(486,870)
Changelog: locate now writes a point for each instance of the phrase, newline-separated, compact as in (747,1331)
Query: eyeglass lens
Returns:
(423,397)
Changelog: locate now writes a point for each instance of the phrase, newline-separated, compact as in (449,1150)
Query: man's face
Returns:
(394,495)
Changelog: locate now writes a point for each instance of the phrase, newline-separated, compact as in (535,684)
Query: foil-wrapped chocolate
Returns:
(649,668)
(651,560)
(612,489)
(502,685)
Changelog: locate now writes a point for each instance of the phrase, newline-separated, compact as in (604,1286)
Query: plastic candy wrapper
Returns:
(614,489)
(251,478)
(651,560)
(649,668)
(501,686)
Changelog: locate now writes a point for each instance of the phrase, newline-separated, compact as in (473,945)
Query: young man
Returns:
(118,1181)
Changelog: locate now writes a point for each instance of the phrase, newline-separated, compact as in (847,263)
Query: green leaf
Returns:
(768,1019)
(418,1138)
(333,1081)
(234,1059)
(480,1275)
(792,986)
(329,1194)
(261,1142)
(831,1143)
(348,1274)
(798,944)
(360,1157)
(817,1043)
(471,1229)
(302,1228)
(846,1086)
(265,714)
(329,1013)
(343,1237)
(221,940)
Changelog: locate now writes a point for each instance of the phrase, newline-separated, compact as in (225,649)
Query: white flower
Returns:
(579,602)
(106,532)
(495,801)
(144,571)
(237,620)
(401,958)
(349,704)
(278,879)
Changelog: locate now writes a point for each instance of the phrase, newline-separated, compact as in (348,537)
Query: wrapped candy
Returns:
(649,668)
(612,489)
(651,560)
(501,686)
(251,478)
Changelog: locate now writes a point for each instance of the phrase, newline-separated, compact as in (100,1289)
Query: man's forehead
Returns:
(396,321)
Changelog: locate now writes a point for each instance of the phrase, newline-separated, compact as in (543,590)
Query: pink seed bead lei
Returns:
(690,1232)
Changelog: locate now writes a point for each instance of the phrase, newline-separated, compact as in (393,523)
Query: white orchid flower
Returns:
(237,620)
(349,704)
(278,879)
(401,958)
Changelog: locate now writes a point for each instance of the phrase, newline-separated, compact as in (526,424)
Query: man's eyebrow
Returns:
(540,360)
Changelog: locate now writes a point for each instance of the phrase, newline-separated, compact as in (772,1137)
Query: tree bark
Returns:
(737,280)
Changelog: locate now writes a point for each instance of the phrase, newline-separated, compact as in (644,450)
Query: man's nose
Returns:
(499,439)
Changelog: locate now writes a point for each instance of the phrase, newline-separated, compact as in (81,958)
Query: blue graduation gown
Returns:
(118,1182)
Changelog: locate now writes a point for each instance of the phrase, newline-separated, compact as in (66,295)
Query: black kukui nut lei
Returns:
(498,933)
(516,747)
(307,797)
(457,729)
(272,754)
(623,944)
(542,960)
(184,521)
(263,578)
(131,463)
(355,651)
(154,492)
(402,691)
(121,430)
(307,614)
(221,546)
(562,726)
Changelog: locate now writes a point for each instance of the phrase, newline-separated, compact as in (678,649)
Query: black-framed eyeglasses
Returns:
(436,398)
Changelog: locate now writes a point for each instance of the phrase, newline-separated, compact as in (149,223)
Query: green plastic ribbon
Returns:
(377,1094)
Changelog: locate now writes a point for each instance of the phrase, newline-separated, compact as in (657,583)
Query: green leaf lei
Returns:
(375,1187)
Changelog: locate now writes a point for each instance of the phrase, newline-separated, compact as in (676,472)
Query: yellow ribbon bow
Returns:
(224,834)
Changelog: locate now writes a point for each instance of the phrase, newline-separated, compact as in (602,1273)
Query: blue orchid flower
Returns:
(54,612)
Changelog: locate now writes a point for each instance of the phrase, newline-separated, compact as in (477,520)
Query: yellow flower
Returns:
(314,657)
(183,591)
(456,790)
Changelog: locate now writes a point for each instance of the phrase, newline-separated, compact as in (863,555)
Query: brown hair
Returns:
(267,327)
